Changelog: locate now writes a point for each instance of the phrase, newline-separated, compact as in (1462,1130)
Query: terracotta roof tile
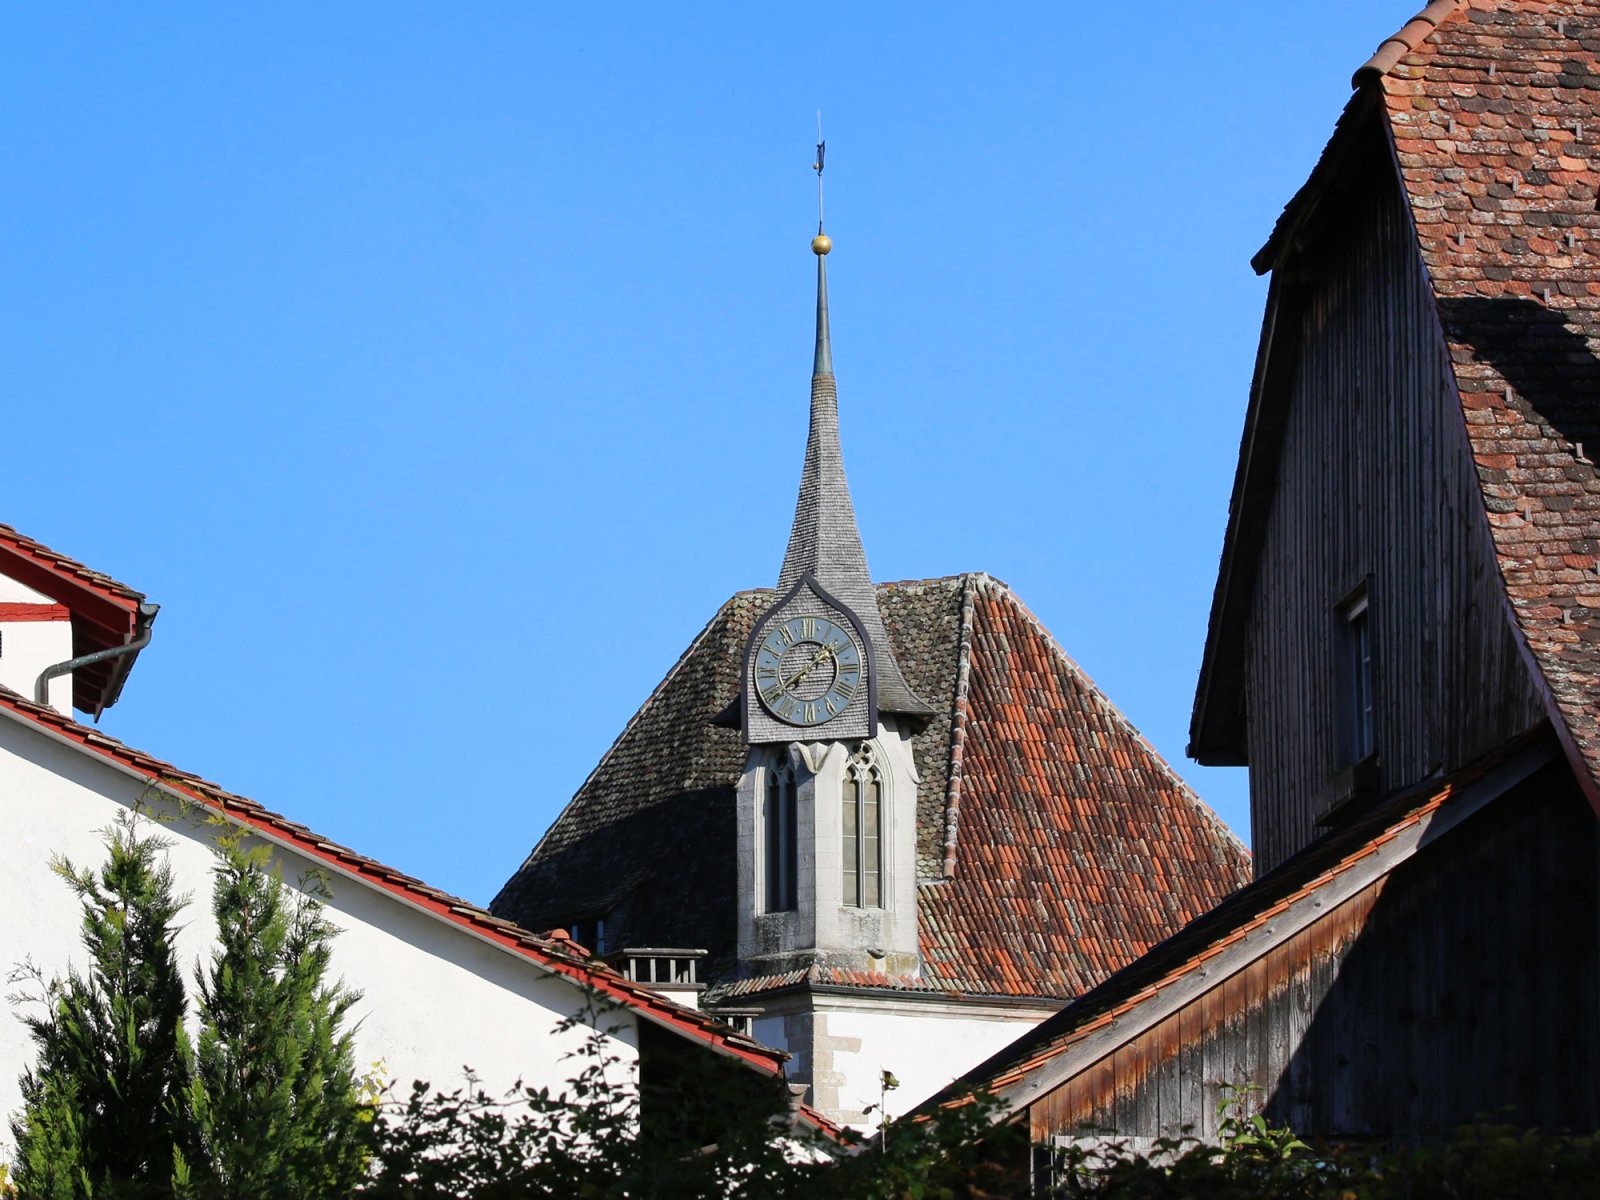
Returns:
(1078,846)
(839,977)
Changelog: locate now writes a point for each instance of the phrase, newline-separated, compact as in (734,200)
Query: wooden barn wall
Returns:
(1376,483)
(1465,982)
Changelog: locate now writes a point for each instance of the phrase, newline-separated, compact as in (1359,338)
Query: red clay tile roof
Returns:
(67,569)
(552,956)
(816,975)
(1053,844)
(843,977)
(1250,909)
(105,613)
(1075,846)
(1495,110)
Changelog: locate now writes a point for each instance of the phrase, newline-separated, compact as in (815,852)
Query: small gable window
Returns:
(1356,719)
(778,823)
(863,830)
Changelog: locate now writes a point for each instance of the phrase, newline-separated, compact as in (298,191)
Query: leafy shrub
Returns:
(120,1107)
(734,1135)
(1256,1161)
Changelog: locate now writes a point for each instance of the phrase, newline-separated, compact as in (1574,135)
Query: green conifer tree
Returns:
(101,1110)
(274,1094)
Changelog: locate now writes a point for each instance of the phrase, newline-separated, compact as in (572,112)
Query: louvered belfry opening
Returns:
(778,820)
(863,831)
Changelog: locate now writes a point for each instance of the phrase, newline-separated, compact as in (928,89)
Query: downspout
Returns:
(145,630)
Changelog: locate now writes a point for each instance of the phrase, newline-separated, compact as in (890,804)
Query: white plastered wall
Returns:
(435,997)
(12,592)
(28,647)
(925,1044)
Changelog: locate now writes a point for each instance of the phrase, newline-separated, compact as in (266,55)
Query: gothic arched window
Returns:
(863,830)
(778,823)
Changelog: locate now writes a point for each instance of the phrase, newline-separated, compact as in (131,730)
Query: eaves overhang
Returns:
(105,614)
(1245,928)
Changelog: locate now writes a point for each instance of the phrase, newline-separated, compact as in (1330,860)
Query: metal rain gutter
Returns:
(147,619)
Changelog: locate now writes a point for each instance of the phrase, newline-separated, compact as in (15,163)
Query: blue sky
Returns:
(441,368)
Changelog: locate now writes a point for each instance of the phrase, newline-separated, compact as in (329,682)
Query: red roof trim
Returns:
(91,596)
(346,862)
(34,612)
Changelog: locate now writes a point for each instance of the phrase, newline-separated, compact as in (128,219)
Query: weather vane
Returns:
(822,149)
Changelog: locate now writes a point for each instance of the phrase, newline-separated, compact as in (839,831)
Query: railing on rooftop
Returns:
(663,969)
(741,1019)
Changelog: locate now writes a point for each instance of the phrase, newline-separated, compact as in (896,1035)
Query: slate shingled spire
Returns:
(825,541)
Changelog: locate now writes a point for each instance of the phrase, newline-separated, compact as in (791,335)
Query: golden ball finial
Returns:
(821,244)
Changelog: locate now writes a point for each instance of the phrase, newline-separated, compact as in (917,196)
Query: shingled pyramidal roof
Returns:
(1053,844)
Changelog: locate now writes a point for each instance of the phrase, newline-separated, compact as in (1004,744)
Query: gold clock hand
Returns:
(806,670)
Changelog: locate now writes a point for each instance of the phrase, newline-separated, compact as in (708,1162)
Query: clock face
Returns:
(807,670)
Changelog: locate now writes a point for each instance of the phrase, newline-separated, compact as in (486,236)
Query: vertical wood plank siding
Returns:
(1461,984)
(1375,483)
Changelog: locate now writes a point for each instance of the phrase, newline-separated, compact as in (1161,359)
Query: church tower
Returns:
(827,801)
(758,836)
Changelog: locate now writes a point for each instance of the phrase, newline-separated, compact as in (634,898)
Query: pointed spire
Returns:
(824,541)
(822,363)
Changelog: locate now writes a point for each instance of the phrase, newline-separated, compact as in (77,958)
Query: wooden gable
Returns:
(1430,964)
(1356,479)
